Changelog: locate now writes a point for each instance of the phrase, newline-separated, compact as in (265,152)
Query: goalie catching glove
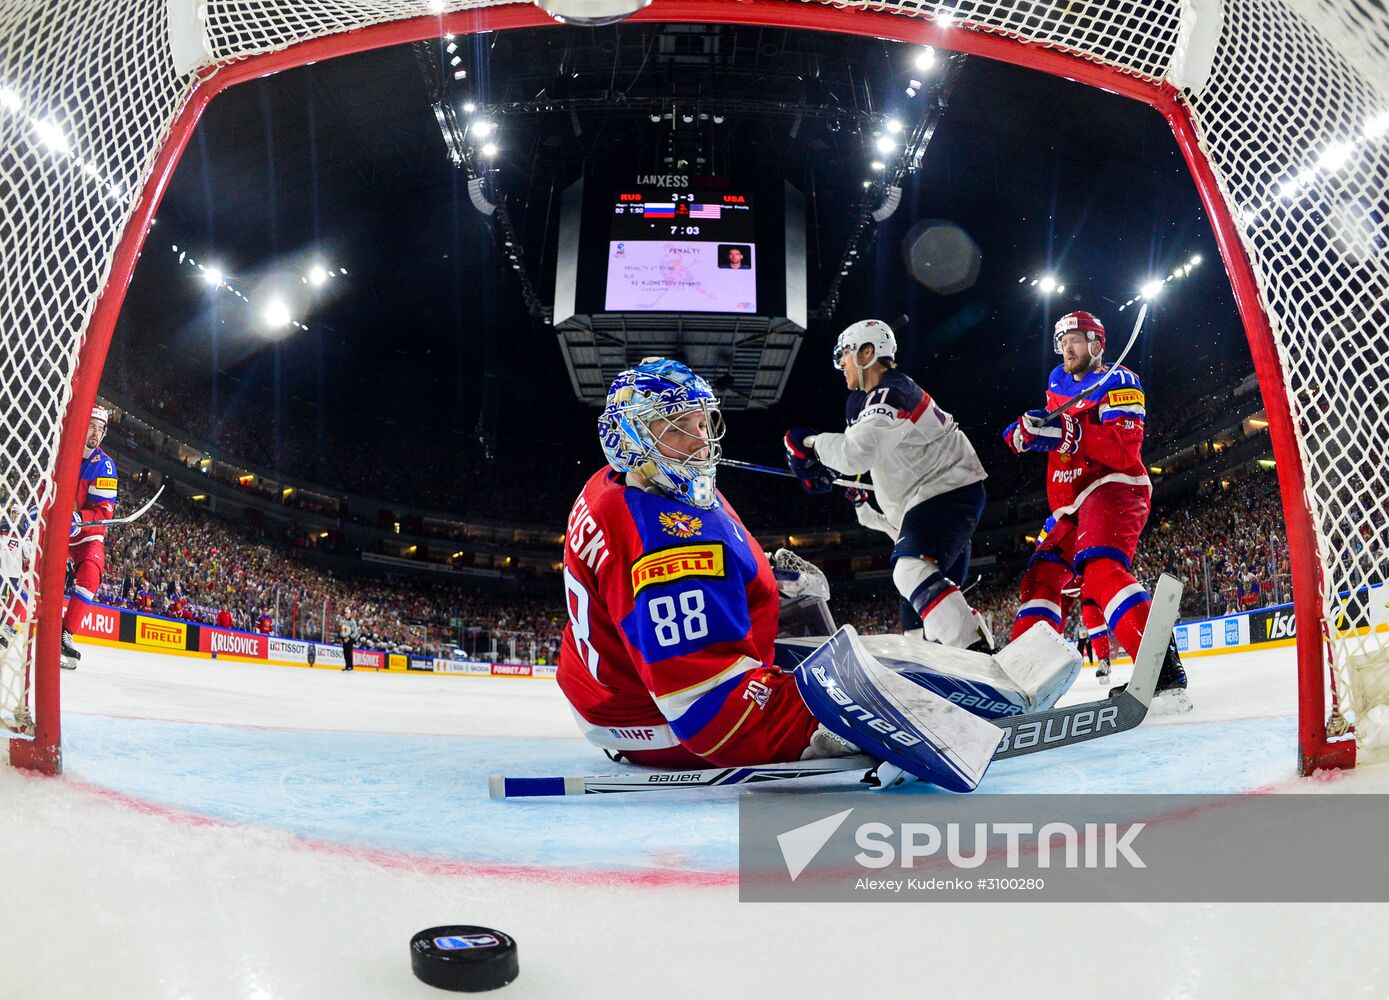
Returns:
(1034,431)
(797,577)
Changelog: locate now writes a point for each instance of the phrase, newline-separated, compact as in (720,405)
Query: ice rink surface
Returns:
(236,830)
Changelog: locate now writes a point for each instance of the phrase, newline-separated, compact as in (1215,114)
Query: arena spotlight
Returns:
(469,107)
(925,59)
(51,135)
(878,165)
(1046,284)
(489,150)
(894,126)
(276,314)
(481,128)
(214,276)
(591,13)
(317,274)
(1152,289)
(886,144)
(11,100)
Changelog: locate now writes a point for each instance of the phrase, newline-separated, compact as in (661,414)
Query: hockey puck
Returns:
(464,958)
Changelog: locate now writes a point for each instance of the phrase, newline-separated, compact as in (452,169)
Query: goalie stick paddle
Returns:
(1133,338)
(772,470)
(129,517)
(1022,734)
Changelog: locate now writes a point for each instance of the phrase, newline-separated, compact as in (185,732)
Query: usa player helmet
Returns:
(867,331)
(1084,322)
(642,404)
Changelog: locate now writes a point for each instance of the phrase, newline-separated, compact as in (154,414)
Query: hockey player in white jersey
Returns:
(927,480)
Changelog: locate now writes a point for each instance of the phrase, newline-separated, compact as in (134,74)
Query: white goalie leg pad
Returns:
(1024,677)
(892,717)
(1040,664)
(946,616)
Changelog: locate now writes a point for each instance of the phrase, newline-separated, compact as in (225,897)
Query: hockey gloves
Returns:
(856,496)
(815,477)
(1033,431)
(76,524)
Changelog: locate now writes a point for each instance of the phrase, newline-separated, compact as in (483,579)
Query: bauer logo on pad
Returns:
(677,563)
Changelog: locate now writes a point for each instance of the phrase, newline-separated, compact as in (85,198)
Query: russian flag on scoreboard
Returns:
(706,211)
(656,210)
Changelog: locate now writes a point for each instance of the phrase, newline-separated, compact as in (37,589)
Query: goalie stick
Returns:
(1022,734)
(772,470)
(1133,337)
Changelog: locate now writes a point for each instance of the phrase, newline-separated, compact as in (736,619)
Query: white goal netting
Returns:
(1292,116)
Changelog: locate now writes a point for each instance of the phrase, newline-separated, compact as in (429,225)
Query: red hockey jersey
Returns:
(672,622)
(1111,438)
(96,500)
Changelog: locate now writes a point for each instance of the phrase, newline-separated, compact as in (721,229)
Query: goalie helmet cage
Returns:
(1280,108)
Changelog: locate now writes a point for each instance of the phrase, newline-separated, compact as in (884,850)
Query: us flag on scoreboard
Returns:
(705,211)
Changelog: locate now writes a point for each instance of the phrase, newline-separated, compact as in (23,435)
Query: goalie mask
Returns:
(640,419)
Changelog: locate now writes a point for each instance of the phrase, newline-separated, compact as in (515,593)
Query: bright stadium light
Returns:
(51,135)
(10,99)
(878,165)
(469,107)
(894,126)
(1152,288)
(946,19)
(276,314)
(1335,156)
(481,128)
(1046,284)
(214,276)
(925,59)
(318,274)
(490,149)
(1377,126)
(886,144)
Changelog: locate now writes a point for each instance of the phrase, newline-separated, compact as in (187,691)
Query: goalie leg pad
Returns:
(892,718)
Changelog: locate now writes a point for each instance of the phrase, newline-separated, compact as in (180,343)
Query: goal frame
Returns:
(1315,749)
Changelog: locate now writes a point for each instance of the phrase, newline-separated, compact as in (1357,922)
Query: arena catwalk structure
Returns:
(1280,108)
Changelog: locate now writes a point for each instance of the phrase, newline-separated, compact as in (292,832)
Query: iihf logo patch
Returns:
(680,524)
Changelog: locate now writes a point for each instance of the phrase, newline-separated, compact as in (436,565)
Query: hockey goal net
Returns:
(1281,108)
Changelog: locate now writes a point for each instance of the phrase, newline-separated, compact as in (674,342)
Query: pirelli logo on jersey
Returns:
(678,563)
(1125,397)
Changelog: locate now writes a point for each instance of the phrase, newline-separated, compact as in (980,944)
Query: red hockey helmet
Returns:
(1082,322)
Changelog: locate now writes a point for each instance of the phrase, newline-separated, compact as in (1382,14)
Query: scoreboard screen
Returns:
(681,251)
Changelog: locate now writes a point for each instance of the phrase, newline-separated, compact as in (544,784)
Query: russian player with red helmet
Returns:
(1098,491)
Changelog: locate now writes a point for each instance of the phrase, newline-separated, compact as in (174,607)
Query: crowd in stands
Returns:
(1227,547)
(184,562)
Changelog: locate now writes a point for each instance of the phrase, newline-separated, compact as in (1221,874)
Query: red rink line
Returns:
(399,861)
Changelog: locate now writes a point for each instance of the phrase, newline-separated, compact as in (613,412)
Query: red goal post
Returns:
(1280,108)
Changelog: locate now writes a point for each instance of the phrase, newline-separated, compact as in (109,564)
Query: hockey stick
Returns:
(502,787)
(772,470)
(1022,734)
(1133,338)
(129,517)
(1061,727)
